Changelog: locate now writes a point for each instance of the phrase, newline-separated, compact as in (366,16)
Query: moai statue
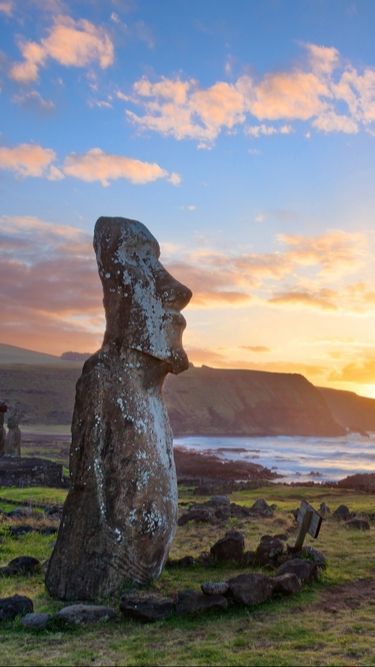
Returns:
(13,437)
(3,409)
(120,514)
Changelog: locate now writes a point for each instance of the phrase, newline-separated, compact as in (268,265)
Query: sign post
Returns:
(309,522)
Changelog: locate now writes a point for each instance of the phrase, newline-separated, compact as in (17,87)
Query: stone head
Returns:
(141,299)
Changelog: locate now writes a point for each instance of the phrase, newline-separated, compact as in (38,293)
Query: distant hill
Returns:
(213,401)
(349,409)
(75,356)
(10,355)
(203,401)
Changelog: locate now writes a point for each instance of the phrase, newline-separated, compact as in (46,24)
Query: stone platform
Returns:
(17,471)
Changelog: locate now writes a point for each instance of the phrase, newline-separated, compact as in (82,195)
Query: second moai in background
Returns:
(3,409)
(13,437)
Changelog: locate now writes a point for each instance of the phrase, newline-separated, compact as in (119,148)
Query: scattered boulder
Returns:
(287,584)
(21,565)
(34,621)
(185,561)
(250,589)
(358,524)
(219,501)
(305,570)
(200,514)
(84,614)
(192,602)
(16,605)
(215,588)
(314,555)
(324,510)
(342,513)
(269,550)
(146,608)
(239,511)
(261,508)
(229,548)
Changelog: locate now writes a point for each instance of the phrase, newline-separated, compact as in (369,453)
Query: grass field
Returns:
(329,623)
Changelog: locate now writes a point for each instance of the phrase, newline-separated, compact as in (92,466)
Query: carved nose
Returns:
(175,294)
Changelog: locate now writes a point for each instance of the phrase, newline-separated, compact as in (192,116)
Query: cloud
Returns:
(257,131)
(49,285)
(28,160)
(182,110)
(70,43)
(255,348)
(360,371)
(34,100)
(6,7)
(334,251)
(322,299)
(96,165)
(312,92)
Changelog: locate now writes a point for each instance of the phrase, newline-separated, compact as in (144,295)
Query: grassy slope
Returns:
(301,630)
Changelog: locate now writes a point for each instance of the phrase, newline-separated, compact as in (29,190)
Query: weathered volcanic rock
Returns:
(250,589)
(84,614)
(269,550)
(16,471)
(342,513)
(305,570)
(16,605)
(215,587)
(23,565)
(120,515)
(287,584)
(192,602)
(147,608)
(357,523)
(229,548)
(34,621)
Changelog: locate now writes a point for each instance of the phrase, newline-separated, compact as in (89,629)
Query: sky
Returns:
(242,134)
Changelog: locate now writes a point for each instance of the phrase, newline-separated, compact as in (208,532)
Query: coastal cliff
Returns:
(203,401)
(212,401)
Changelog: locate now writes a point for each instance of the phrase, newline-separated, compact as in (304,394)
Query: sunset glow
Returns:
(242,134)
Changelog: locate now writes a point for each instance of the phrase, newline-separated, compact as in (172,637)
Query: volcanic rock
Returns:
(16,605)
(357,523)
(305,570)
(250,589)
(84,614)
(146,608)
(229,548)
(192,602)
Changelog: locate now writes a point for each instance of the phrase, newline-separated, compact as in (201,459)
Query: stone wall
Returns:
(20,472)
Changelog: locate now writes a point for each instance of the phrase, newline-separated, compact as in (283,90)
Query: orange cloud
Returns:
(335,250)
(321,299)
(294,95)
(28,160)
(311,92)
(361,371)
(255,348)
(70,43)
(96,165)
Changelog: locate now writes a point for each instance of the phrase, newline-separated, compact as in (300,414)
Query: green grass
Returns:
(289,631)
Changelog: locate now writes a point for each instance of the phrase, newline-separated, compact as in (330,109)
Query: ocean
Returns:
(298,459)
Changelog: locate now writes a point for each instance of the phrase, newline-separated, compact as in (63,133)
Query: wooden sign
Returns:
(309,521)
